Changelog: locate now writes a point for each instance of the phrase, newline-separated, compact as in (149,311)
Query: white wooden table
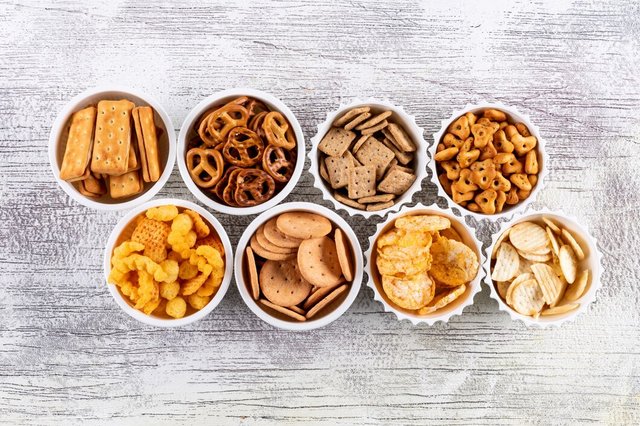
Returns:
(69,355)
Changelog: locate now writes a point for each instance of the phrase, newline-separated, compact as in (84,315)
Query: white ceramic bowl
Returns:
(323,318)
(508,211)
(168,322)
(454,308)
(592,261)
(218,99)
(166,145)
(402,118)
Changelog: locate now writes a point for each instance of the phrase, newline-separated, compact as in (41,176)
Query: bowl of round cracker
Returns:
(423,264)
(368,157)
(488,161)
(241,151)
(544,268)
(112,148)
(168,263)
(298,266)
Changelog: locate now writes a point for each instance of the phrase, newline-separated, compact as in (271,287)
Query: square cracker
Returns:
(77,153)
(338,171)
(362,182)
(374,153)
(336,141)
(125,185)
(396,181)
(147,143)
(402,156)
(112,137)
(400,138)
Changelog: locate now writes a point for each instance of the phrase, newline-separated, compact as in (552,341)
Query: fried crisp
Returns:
(423,223)
(411,292)
(454,263)
(443,299)
(176,308)
(162,213)
(199,225)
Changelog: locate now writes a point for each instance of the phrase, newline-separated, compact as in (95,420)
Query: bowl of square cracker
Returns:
(368,157)
(298,266)
(112,148)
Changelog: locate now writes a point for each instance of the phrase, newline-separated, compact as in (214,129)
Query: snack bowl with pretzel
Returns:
(168,263)
(298,266)
(112,148)
(241,151)
(488,160)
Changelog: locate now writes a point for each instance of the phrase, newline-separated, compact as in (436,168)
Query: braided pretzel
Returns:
(275,127)
(222,120)
(205,166)
(253,187)
(279,163)
(255,123)
(243,147)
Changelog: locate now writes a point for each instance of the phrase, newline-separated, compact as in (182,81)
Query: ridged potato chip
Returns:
(552,225)
(507,263)
(501,239)
(577,289)
(574,244)
(503,287)
(550,284)
(424,223)
(442,300)
(411,292)
(453,263)
(528,237)
(535,257)
(527,297)
(517,280)
(568,263)
(562,309)
(553,240)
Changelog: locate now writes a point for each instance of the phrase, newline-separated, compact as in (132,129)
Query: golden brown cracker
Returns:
(77,152)
(147,143)
(112,137)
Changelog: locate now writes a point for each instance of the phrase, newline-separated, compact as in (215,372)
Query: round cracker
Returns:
(574,244)
(268,245)
(303,225)
(318,261)
(282,284)
(568,263)
(527,298)
(528,237)
(562,309)
(344,254)
(253,274)
(287,311)
(324,302)
(317,293)
(549,282)
(577,289)
(267,254)
(442,300)
(507,263)
(277,238)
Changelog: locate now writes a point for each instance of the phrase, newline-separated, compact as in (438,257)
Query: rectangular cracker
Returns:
(379,206)
(402,156)
(112,137)
(396,181)
(362,182)
(125,185)
(375,153)
(348,201)
(134,164)
(400,138)
(147,143)
(354,163)
(338,171)
(336,141)
(380,198)
(77,152)
(94,185)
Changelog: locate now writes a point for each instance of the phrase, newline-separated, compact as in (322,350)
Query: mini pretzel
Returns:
(222,120)
(255,123)
(253,187)
(243,147)
(203,129)
(205,166)
(279,163)
(277,130)
(228,193)
(224,181)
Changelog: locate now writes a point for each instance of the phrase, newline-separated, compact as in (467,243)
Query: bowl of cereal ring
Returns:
(241,151)
(488,160)
(424,264)
(168,263)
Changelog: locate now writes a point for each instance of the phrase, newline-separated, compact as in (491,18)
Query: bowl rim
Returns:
(313,323)
(218,98)
(421,155)
(62,118)
(475,283)
(165,322)
(516,115)
(585,301)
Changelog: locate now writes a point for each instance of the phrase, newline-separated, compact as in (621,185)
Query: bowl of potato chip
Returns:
(168,263)
(488,160)
(544,268)
(424,264)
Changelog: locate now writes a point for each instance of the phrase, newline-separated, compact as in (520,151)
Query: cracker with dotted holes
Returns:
(112,137)
(336,142)
(125,185)
(282,282)
(362,182)
(319,262)
(77,152)
(397,181)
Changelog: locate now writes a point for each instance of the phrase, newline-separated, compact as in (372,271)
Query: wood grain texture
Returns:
(69,355)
